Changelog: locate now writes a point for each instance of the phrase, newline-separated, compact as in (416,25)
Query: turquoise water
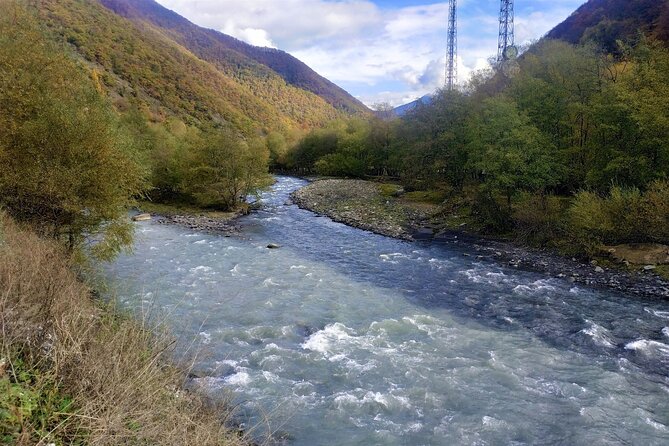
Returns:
(348,338)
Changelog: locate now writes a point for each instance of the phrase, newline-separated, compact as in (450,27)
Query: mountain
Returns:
(183,71)
(406,108)
(230,53)
(605,21)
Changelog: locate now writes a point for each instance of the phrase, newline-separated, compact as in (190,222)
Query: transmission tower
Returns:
(506,48)
(452,56)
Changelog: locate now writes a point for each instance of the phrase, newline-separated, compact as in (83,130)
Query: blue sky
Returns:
(379,50)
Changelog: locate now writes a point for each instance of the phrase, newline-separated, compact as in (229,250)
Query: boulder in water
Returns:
(142,217)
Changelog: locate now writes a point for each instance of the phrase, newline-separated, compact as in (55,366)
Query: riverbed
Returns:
(344,337)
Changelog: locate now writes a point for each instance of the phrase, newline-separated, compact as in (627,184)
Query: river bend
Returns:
(349,338)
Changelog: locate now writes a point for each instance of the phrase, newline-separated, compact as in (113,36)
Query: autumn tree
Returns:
(66,165)
(224,169)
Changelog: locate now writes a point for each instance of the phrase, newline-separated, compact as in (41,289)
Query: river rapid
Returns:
(344,337)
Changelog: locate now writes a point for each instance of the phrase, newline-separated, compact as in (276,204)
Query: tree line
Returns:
(575,146)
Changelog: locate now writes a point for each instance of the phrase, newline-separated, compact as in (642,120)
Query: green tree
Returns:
(510,153)
(66,164)
(224,169)
(644,91)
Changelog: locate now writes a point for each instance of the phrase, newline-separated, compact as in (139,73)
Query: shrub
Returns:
(656,211)
(539,219)
(493,216)
(626,215)
(224,169)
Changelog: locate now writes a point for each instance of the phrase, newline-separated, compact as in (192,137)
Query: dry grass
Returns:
(73,371)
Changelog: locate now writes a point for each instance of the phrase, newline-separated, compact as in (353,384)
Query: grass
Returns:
(663,271)
(75,371)
(388,190)
(426,196)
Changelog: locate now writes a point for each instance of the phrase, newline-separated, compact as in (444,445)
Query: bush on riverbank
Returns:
(74,371)
(625,215)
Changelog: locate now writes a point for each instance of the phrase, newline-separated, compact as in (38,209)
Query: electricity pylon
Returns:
(452,54)
(506,49)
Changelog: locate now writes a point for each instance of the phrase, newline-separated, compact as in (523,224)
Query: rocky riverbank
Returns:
(365,205)
(361,204)
(223,226)
(223,223)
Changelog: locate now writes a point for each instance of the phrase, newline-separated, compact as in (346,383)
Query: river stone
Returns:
(142,217)
(599,269)
(273,246)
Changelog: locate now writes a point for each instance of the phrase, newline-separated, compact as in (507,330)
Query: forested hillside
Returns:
(605,21)
(236,58)
(139,60)
(572,152)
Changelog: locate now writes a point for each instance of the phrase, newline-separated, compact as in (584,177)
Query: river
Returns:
(344,337)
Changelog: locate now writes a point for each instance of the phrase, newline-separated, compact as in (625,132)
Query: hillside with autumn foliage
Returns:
(236,58)
(604,22)
(139,60)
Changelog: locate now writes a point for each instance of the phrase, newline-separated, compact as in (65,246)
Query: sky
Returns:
(380,51)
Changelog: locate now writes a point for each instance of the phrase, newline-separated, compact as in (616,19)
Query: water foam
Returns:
(239,379)
(600,335)
(656,425)
(325,340)
(206,337)
(393,257)
(648,347)
(235,271)
(540,286)
(346,401)
(487,277)
(269,282)
(657,313)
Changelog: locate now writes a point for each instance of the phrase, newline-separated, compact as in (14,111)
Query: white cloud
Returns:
(381,54)
(292,24)
(254,36)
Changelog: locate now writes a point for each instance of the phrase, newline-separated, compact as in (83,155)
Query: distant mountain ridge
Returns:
(402,110)
(228,51)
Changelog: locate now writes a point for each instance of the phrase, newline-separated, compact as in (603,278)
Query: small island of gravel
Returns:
(366,205)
